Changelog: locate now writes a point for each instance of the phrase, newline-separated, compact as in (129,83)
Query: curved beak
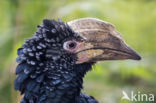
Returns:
(100,42)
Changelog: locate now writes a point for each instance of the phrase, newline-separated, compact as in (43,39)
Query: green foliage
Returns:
(134,19)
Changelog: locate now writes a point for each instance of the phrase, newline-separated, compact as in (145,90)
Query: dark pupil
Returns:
(72,45)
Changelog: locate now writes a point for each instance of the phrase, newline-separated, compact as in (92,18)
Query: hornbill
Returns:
(52,63)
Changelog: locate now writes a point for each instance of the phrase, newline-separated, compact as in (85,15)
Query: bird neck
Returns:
(63,86)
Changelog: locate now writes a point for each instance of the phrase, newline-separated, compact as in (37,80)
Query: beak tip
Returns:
(134,54)
(137,57)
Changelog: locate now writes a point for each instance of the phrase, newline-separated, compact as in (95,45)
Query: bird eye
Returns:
(70,45)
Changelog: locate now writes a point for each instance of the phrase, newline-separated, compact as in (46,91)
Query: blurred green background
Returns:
(134,19)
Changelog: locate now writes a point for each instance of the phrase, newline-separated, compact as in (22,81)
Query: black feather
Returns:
(46,73)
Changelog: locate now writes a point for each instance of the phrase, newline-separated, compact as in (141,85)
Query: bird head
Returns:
(76,42)
(59,54)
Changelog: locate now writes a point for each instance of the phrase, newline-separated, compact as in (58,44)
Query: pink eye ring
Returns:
(70,45)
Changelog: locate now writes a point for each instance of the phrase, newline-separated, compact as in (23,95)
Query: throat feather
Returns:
(52,84)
